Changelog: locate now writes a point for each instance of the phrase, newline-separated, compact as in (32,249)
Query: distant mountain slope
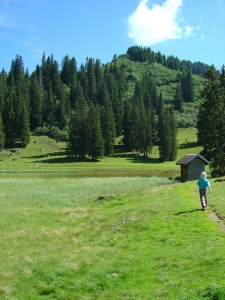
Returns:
(165,78)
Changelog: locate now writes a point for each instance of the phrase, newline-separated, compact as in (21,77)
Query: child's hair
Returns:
(203,175)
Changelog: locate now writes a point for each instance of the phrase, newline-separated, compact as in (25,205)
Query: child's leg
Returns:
(203,198)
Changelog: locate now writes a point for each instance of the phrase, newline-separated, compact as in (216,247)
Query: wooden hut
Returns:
(191,166)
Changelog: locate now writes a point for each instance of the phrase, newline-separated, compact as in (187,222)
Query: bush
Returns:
(53,132)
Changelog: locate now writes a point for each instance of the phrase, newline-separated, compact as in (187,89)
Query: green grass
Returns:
(165,79)
(51,156)
(147,240)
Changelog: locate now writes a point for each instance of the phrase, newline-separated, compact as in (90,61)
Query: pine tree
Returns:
(127,126)
(173,144)
(178,99)
(35,103)
(78,131)
(82,77)
(162,131)
(90,67)
(2,133)
(211,122)
(65,70)
(94,134)
(187,87)
(24,128)
(10,120)
(107,123)
(3,90)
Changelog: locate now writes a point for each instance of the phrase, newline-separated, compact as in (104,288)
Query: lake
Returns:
(73,175)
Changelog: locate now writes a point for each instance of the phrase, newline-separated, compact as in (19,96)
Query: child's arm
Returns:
(210,190)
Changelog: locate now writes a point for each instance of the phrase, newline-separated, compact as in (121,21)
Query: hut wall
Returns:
(195,167)
(184,173)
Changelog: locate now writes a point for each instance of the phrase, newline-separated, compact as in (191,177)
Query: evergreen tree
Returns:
(94,134)
(178,99)
(78,131)
(90,67)
(107,123)
(65,73)
(62,114)
(98,78)
(3,90)
(82,77)
(145,130)
(35,103)
(9,120)
(173,144)
(2,133)
(187,87)
(163,138)
(211,121)
(24,127)
(127,126)
(137,115)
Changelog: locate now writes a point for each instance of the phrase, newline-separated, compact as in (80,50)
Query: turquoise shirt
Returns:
(203,183)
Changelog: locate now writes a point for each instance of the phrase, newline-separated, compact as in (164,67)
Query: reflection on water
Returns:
(73,175)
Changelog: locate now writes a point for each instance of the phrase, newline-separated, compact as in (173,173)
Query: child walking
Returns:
(203,184)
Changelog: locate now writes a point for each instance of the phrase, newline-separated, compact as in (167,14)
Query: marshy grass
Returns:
(145,239)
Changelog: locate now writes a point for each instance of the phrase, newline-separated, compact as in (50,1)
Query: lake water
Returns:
(73,175)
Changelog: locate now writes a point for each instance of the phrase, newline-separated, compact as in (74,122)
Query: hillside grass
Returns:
(45,154)
(147,239)
(165,78)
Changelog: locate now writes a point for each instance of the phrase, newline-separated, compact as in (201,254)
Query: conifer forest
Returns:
(90,106)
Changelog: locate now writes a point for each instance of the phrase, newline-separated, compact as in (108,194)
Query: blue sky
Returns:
(189,29)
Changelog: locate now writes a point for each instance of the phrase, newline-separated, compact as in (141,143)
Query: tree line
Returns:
(140,54)
(88,107)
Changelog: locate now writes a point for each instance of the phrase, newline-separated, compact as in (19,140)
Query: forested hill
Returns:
(165,78)
(91,105)
(137,53)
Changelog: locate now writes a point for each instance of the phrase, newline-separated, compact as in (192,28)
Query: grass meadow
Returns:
(146,238)
(45,154)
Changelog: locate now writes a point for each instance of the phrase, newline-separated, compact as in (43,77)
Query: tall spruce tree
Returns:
(3,90)
(211,121)
(78,131)
(2,133)
(94,134)
(173,144)
(107,122)
(162,131)
(178,99)
(35,103)
(187,87)
(90,71)
(127,126)
(24,128)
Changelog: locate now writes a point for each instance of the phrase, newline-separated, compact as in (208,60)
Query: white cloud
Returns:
(188,31)
(148,26)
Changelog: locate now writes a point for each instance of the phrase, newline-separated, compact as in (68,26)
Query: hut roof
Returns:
(189,157)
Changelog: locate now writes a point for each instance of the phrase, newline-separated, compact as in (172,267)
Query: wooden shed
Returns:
(191,166)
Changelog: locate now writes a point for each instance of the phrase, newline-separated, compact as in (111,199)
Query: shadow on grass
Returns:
(188,145)
(187,211)
(56,160)
(48,155)
(145,160)
(59,157)
(132,157)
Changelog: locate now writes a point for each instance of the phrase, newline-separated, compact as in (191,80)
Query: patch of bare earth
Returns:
(216,218)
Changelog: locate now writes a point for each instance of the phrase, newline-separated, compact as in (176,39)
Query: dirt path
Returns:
(216,218)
